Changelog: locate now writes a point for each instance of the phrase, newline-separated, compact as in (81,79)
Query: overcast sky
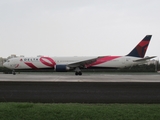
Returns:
(77,27)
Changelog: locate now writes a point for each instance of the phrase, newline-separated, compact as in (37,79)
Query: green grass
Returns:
(38,111)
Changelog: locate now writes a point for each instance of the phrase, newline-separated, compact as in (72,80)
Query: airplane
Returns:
(61,64)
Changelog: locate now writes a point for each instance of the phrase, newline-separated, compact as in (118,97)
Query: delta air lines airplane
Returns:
(59,64)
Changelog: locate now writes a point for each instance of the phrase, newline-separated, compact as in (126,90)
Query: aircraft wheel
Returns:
(80,73)
(76,73)
(14,73)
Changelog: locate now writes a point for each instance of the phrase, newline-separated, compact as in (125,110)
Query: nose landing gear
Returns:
(13,72)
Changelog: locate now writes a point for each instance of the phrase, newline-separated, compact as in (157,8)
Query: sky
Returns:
(77,27)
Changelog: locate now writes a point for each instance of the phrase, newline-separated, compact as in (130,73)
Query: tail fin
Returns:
(141,48)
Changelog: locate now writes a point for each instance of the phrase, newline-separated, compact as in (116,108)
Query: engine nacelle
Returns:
(61,68)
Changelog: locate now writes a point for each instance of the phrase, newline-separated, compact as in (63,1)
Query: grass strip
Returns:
(74,111)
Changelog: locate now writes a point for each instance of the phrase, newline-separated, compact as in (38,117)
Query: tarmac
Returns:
(88,88)
(86,77)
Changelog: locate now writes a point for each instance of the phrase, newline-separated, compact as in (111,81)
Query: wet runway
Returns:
(89,88)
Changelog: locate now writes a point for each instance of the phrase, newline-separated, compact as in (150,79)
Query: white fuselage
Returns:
(51,62)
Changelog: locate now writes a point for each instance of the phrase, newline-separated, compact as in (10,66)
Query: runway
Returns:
(86,77)
(89,88)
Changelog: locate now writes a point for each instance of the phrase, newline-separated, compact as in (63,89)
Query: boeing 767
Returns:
(59,64)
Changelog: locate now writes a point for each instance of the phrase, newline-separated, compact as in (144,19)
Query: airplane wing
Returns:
(144,59)
(82,63)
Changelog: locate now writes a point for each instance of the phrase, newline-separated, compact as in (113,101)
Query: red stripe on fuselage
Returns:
(51,64)
(103,60)
(31,65)
(17,66)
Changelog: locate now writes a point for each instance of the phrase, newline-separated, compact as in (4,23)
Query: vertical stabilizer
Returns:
(141,48)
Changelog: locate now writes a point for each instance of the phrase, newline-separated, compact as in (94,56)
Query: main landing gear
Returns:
(13,72)
(78,71)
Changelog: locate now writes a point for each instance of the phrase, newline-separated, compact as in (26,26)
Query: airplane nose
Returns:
(5,64)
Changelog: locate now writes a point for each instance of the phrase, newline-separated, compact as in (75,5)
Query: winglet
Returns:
(141,48)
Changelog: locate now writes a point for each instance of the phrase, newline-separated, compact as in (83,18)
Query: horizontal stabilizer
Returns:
(144,59)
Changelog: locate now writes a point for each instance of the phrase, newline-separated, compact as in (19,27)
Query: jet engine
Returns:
(61,68)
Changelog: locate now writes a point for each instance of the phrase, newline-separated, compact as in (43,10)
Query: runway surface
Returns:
(89,88)
(86,77)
